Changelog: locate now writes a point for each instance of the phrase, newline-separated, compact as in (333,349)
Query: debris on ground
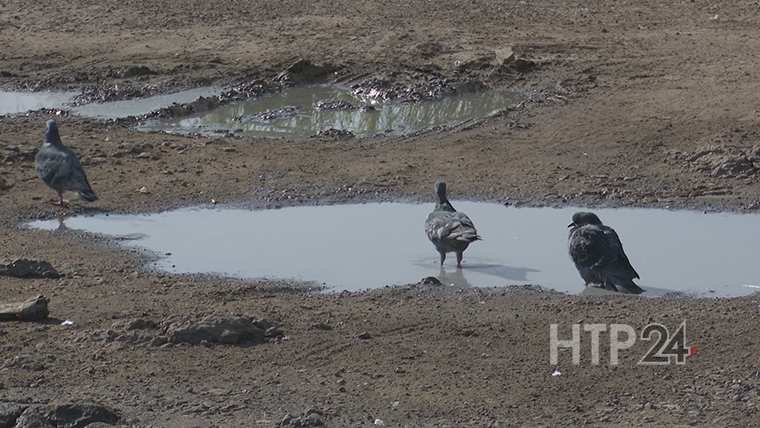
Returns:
(337,134)
(310,418)
(224,330)
(34,309)
(54,416)
(26,268)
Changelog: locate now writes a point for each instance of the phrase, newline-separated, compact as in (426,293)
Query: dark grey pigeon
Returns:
(59,167)
(598,255)
(449,230)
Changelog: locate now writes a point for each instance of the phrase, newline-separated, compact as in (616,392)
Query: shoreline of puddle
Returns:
(289,111)
(152,257)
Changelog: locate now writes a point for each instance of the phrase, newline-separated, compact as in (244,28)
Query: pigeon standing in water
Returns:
(59,167)
(598,254)
(449,230)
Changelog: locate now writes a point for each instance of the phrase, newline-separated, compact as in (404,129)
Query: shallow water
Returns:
(18,102)
(385,118)
(142,106)
(373,245)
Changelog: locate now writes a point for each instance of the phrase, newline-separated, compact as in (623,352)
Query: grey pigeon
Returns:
(598,255)
(59,167)
(449,230)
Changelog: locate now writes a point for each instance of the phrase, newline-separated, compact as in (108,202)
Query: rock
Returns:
(338,134)
(25,268)
(34,309)
(430,280)
(9,413)
(226,330)
(66,416)
(364,336)
(303,71)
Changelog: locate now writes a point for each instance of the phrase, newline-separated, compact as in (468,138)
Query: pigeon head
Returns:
(440,189)
(51,133)
(584,218)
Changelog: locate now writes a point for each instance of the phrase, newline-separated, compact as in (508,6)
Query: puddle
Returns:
(18,102)
(305,111)
(352,247)
(142,106)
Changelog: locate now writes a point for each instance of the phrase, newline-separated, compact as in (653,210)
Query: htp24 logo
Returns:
(666,348)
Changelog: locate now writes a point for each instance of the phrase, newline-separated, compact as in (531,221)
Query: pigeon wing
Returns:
(616,247)
(53,166)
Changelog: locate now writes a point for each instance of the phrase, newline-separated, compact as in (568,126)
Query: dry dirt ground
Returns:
(642,103)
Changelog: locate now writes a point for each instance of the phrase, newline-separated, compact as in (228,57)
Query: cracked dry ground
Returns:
(657,107)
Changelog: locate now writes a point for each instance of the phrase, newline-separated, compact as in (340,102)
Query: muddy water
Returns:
(303,111)
(374,245)
(19,102)
(142,106)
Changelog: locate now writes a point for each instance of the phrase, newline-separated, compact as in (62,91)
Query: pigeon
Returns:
(59,167)
(449,230)
(598,255)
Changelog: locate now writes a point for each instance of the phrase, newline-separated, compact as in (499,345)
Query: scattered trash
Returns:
(556,372)
(67,323)
(364,336)
(379,422)
(213,201)
(143,190)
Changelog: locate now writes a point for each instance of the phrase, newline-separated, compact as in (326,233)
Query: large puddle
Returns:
(142,106)
(305,111)
(12,102)
(299,111)
(352,247)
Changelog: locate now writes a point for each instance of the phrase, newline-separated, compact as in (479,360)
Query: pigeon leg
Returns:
(459,259)
(60,202)
(443,257)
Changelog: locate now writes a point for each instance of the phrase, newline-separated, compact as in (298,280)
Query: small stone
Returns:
(430,280)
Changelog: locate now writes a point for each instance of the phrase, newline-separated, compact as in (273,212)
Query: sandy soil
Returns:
(639,103)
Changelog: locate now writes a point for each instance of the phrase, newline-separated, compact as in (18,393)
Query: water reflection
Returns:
(19,102)
(387,118)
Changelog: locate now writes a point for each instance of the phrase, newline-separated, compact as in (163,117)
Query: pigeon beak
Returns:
(571,225)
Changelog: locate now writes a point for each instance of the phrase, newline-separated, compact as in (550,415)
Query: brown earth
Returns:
(639,103)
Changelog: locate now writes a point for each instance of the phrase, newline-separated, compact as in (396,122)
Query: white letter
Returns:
(595,330)
(616,345)
(555,344)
